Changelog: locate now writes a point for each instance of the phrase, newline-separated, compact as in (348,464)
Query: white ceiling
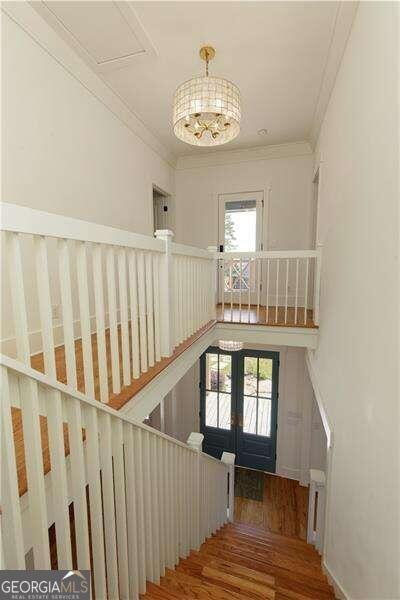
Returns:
(276,52)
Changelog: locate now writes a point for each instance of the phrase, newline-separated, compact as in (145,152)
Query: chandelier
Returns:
(207,109)
(230,346)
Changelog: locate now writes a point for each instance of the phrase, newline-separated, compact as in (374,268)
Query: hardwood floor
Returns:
(241,561)
(268,318)
(283,509)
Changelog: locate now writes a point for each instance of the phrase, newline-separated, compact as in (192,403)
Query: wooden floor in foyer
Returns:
(263,554)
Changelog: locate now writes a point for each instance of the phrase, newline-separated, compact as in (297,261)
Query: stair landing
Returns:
(242,561)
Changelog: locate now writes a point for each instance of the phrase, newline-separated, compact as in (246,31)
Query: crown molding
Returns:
(230,157)
(26,17)
(345,16)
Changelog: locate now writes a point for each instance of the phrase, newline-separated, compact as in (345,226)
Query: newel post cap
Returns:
(195,441)
(228,458)
(164,234)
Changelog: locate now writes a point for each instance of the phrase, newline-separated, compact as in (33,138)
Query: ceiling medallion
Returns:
(207,109)
(230,346)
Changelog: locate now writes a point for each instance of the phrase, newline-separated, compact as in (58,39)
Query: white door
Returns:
(240,230)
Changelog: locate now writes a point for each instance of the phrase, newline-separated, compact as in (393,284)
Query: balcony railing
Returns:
(97,307)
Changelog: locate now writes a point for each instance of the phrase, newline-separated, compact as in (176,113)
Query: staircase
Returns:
(241,561)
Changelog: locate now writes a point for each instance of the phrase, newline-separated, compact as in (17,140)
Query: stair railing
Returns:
(124,499)
(316,509)
(274,287)
(103,305)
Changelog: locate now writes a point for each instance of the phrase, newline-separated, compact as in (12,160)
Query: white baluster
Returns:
(67,313)
(140,500)
(195,441)
(131,511)
(95,499)
(16,281)
(133,295)
(147,497)
(100,322)
(78,479)
(123,304)
(157,322)
(112,317)
(120,506)
(11,521)
(317,283)
(297,291)
(142,312)
(45,311)
(229,459)
(157,557)
(267,292)
(277,290)
(286,289)
(55,430)
(150,308)
(34,472)
(166,294)
(258,283)
(306,291)
(83,293)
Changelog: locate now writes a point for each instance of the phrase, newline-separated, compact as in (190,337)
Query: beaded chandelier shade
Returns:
(207,109)
(230,346)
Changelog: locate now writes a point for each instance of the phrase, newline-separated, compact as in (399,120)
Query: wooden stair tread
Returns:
(247,563)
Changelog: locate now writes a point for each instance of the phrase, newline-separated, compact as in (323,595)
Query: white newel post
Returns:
(195,441)
(229,459)
(214,283)
(166,293)
(317,283)
(316,509)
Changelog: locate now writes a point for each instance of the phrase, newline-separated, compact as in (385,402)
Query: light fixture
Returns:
(207,109)
(230,346)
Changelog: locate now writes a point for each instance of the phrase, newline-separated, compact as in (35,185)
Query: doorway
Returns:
(162,210)
(240,221)
(239,405)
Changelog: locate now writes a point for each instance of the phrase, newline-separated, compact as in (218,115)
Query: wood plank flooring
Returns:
(269,318)
(283,509)
(241,561)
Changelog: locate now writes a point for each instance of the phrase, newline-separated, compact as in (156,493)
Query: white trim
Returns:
(345,16)
(230,157)
(318,397)
(268,254)
(42,34)
(300,337)
(340,592)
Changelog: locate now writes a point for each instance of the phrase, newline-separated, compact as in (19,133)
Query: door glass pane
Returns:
(264,417)
(225,373)
(240,226)
(249,414)
(265,377)
(224,411)
(211,409)
(250,376)
(211,371)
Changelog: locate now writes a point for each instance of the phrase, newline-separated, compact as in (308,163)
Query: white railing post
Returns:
(316,509)
(166,294)
(195,441)
(229,459)
(317,283)
(214,283)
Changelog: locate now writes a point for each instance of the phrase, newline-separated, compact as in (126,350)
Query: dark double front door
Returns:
(239,405)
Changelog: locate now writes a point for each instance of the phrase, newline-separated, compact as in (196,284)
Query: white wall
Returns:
(287,219)
(357,359)
(63,150)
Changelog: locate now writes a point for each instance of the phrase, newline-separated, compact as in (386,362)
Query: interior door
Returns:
(240,230)
(257,410)
(216,402)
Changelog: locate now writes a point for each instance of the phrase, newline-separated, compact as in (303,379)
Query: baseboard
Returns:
(340,592)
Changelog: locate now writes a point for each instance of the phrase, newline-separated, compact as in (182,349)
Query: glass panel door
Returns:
(240,230)
(257,409)
(216,404)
